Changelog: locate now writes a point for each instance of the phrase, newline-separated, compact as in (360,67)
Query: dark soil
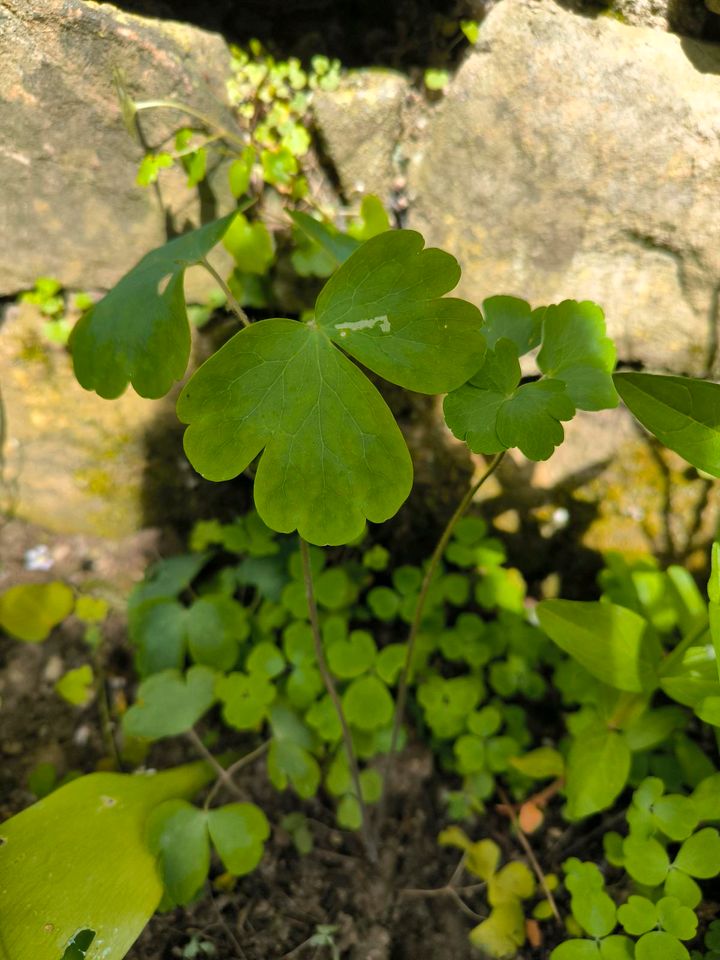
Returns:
(377,912)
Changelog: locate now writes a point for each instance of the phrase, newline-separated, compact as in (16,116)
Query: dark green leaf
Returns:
(684,414)
(139,332)
(177,835)
(169,704)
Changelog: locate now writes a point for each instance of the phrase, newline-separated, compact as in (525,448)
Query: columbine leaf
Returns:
(139,331)
(492,412)
(333,454)
(177,835)
(682,413)
(512,319)
(169,704)
(576,351)
(385,306)
(239,832)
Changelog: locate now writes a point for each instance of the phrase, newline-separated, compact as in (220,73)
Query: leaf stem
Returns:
(191,112)
(417,619)
(222,773)
(231,299)
(368,839)
(230,772)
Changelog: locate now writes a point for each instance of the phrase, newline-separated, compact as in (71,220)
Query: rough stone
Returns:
(78,464)
(573,157)
(70,205)
(679,16)
(361,125)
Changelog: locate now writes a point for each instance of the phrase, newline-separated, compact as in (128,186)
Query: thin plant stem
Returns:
(420,610)
(525,844)
(191,112)
(233,769)
(231,299)
(368,839)
(217,767)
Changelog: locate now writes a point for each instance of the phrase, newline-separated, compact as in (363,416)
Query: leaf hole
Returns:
(163,284)
(3,841)
(108,801)
(79,944)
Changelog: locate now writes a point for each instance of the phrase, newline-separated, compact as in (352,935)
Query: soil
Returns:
(376,913)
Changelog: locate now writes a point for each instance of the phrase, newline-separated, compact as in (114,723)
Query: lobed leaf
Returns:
(139,331)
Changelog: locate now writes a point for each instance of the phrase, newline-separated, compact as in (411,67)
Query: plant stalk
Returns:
(231,299)
(191,112)
(430,572)
(368,839)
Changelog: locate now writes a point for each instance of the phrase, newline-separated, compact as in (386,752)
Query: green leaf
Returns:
(238,832)
(576,950)
(598,767)
(91,609)
(675,815)
(98,849)
(169,704)
(289,762)
(367,703)
(683,888)
(657,944)
(610,641)
(700,854)
(250,244)
(576,351)
(684,414)
(390,662)
(638,915)
(352,657)
(540,763)
(492,412)
(338,245)
(216,626)
(502,933)
(139,331)
(349,813)
(595,912)
(279,166)
(30,611)
(617,947)
(676,919)
(512,319)
(266,660)
(150,167)
(240,171)
(514,881)
(195,165)
(159,631)
(245,699)
(646,860)
(373,219)
(385,307)
(76,686)
(281,386)
(436,79)
(177,835)
(471,30)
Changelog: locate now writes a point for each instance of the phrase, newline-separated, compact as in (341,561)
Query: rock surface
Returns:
(362,125)
(573,157)
(70,206)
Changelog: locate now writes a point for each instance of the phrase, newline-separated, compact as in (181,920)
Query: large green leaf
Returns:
(576,351)
(493,412)
(385,306)
(611,642)
(78,861)
(332,454)
(598,767)
(139,331)
(684,414)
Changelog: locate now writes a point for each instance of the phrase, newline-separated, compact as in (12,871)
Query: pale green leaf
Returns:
(76,686)
(30,611)
(610,641)
(90,834)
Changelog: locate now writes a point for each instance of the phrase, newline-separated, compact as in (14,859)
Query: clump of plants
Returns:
(321,666)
